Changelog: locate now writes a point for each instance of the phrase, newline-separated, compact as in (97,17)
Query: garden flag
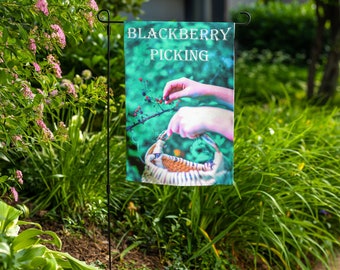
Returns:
(179,102)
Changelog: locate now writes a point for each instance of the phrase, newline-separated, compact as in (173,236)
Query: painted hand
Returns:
(191,122)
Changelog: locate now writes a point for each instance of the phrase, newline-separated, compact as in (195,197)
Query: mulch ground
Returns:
(92,246)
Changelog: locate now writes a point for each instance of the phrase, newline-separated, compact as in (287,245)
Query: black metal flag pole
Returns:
(106,19)
(108,22)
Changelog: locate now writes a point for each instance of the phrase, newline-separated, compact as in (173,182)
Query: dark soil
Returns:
(92,246)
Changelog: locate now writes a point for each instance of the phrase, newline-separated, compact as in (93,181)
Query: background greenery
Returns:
(276,26)
(281,213)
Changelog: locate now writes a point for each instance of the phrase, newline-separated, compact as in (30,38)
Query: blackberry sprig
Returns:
(149,100)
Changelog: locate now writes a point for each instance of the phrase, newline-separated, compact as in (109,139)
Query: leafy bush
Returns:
(268,76)
(27,249)
(68,175)
(11,183)
(278,26)
(32,36)
(117,6)
(91,52)
(91,55)
(52,126)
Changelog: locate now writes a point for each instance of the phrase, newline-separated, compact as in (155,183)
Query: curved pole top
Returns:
(106,18)
(248,16)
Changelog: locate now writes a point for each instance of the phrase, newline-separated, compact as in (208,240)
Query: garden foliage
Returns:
(41,113)
(281,213)
(27,249)
(52,119)
(34,94)
(278,26)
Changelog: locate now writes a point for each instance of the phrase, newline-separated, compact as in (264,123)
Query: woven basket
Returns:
(164,169)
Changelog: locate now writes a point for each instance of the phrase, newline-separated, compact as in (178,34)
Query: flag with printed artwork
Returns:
(179,102)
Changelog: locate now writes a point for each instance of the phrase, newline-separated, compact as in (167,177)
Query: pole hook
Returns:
(248,16)
(105,18)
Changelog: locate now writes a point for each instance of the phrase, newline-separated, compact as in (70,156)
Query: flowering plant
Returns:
(33,91)
(10,182)
(32,38)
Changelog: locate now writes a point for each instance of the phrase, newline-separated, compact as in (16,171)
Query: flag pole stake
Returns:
(108,22)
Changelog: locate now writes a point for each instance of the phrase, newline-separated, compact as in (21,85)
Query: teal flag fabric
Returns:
(179,102)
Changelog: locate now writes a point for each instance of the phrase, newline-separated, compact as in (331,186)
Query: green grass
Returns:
(283,211)
(286,174)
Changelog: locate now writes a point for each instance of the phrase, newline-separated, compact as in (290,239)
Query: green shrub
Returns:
(266,76)
(67,174)
(33,35)
(277,26)
(52,118)
(27,249)
(91,52)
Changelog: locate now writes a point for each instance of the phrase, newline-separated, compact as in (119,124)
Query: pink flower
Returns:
(55,65)
(57,70)
(15,76)
(36,67)
(42,6)
(54,93)
(89,17)
(19,176)
(39,109)
(32,45)
(48,44)
(27,91)
(41,92)
(41,124)
(47,132)
(59,35)
(70,87)
(14,193)
(93,5)
(17,138)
